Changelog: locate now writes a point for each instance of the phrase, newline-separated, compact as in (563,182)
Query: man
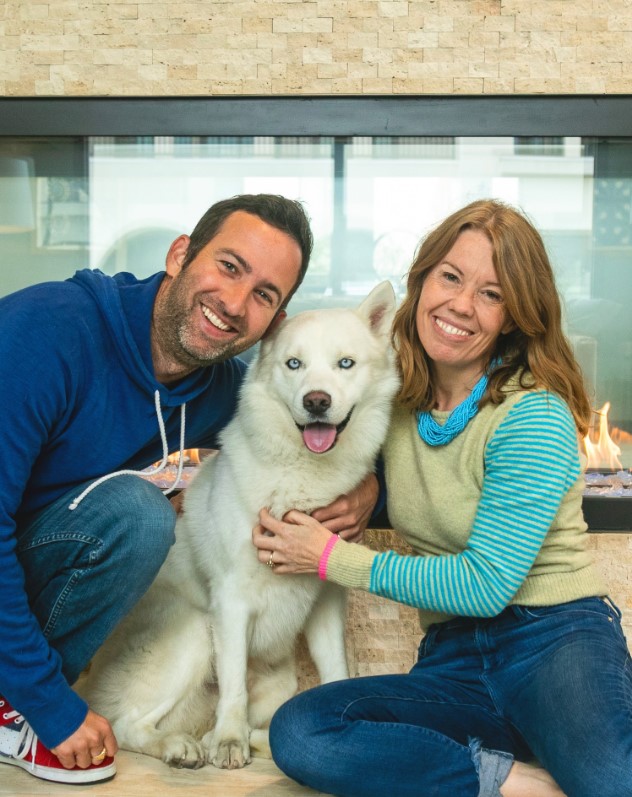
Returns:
(96,374)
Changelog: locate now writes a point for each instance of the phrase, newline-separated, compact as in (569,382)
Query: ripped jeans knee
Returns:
(492,767)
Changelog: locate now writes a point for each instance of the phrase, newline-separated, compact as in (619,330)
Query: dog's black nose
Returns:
(317,402)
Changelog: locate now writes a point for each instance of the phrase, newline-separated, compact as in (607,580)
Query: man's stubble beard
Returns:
(220,352)
(176,336)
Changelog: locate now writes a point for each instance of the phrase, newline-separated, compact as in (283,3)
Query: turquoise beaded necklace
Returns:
(435,434)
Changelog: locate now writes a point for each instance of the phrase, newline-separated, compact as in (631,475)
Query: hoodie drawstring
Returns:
(152,471)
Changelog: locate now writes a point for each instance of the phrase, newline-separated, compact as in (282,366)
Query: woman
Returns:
(523,655)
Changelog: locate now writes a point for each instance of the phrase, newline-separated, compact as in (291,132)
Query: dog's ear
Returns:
(378,309)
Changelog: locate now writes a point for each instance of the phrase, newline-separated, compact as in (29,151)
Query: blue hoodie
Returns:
(78,393)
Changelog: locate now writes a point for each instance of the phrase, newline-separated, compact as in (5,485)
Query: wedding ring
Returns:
(101,755)
(270,563)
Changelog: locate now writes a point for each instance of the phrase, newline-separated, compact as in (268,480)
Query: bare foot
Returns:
(525,780)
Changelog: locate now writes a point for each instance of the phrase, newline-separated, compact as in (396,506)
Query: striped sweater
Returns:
(494,516)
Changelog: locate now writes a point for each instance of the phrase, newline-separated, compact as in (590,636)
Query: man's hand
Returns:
(349,514)
(86,743)
(177,502)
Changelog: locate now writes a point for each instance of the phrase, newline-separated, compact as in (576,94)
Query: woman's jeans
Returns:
(85,569)
(552,683)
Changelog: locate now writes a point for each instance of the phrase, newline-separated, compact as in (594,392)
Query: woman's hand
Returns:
(349,514)
(292,545)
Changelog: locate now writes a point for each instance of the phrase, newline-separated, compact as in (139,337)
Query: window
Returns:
(112,189)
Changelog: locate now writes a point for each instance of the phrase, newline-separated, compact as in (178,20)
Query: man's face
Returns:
(227,296)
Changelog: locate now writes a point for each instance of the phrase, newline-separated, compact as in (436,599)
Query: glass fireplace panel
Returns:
(115,203)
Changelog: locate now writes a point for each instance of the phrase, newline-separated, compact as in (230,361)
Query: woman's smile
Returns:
(449,329)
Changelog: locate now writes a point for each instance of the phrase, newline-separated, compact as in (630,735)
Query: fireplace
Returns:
(607,502)
(608,493)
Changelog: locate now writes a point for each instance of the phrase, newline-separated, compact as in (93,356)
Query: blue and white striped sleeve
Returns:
(531,461)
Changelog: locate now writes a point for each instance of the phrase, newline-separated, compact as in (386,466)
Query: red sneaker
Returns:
(20,746)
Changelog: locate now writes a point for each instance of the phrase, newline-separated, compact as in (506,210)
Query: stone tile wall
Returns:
(143,47)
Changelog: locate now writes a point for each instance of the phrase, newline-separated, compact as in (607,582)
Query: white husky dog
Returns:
(208,654)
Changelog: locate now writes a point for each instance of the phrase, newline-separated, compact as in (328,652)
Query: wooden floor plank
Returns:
(141,776)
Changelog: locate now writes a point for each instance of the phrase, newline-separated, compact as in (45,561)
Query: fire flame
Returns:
(192,455)
(604,452)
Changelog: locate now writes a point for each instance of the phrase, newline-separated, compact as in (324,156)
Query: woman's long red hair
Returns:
(537,346)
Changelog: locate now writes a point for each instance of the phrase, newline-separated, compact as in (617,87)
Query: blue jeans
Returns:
(84,570)
(553,683)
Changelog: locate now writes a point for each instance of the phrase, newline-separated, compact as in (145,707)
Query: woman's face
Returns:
(461,310)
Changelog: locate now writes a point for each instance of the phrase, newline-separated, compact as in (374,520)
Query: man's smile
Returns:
(217,322)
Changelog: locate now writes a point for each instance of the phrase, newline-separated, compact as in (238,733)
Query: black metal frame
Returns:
(602,514)
(406,115)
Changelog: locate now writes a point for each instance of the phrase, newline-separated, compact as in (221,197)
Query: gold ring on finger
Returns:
(101,755)
(270,563)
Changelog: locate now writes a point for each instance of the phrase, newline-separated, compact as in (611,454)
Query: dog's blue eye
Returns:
(293,363)
(346,362)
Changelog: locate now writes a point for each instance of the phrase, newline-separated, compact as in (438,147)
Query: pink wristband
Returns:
(324,557)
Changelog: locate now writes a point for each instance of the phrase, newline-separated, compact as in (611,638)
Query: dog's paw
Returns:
(183,751)
(228,753)
(260,743)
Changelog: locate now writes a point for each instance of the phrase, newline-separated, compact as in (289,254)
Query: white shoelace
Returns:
(27,740)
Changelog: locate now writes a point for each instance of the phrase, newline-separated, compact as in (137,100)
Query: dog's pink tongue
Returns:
(319,437)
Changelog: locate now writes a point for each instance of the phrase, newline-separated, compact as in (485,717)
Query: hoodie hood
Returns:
(126,304)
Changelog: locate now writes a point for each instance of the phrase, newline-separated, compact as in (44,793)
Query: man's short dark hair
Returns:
(287,215)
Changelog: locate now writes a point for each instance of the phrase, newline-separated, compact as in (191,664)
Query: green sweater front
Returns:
(494,516)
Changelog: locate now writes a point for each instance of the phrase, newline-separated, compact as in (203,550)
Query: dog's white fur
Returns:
(214,637)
